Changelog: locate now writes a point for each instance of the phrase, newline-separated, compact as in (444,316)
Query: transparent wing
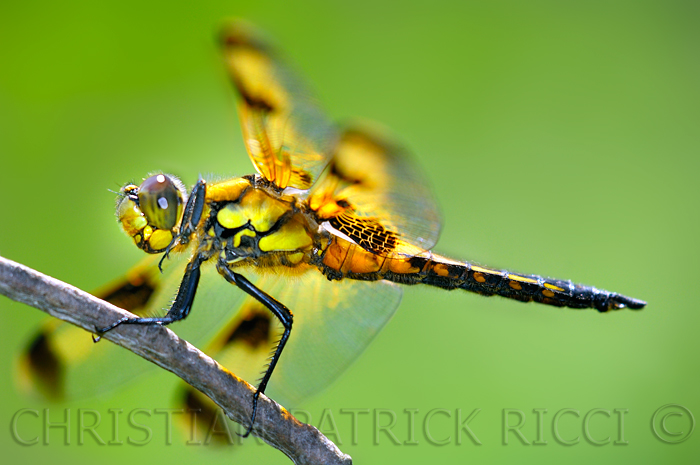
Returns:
(373,194)
(288,137)
(62,362)
(333,323)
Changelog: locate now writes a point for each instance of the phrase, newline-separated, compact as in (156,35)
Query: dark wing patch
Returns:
(44,367)
(367,233)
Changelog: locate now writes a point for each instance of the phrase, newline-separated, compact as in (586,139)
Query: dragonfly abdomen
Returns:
(342,259)
(449,274)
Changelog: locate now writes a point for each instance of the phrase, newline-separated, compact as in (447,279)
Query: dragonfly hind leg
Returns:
(280,311)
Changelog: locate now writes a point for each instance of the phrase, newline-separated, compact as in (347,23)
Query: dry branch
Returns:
(302,443)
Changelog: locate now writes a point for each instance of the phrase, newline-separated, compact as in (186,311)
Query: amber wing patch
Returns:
(372,193)
(288,137)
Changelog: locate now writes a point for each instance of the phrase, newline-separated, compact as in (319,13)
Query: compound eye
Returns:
(160,200)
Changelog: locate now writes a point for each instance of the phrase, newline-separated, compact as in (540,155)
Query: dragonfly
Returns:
(319,242)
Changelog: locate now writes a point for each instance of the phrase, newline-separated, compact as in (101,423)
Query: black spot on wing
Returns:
(239,34)
(201,415)
(303,176)
(253,331)
(336,171)
(131,296)
(256,102)
(45,367)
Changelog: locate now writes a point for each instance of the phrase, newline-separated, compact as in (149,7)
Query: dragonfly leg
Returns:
(193,209)
(179,309)
(280,311)
(193,213)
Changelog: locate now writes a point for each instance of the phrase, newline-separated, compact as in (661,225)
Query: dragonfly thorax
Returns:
(259,223)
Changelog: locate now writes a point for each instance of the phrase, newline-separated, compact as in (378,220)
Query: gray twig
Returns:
(302,443)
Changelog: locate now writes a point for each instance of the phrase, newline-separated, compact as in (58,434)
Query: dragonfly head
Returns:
(151,213)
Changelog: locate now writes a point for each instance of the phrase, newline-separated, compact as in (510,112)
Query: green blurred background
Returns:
(561,139)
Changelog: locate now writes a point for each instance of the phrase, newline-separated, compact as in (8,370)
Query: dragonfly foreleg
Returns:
(178,310)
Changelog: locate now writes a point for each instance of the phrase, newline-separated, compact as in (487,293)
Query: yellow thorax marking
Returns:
(256,207)
(237,238)
(291,236)
(229,190)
